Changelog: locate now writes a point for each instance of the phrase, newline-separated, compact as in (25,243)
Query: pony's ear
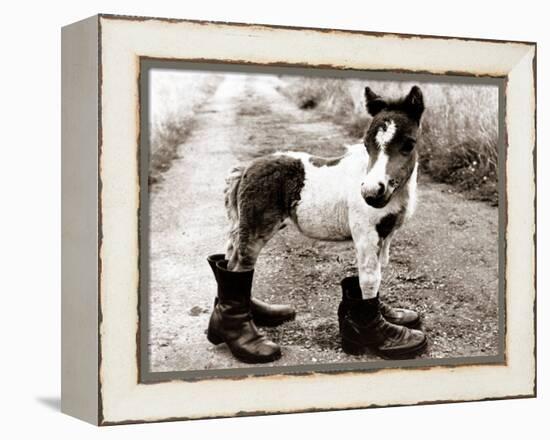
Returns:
(414,103)
(375,104)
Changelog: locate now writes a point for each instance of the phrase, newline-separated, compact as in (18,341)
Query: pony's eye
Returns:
(408,146)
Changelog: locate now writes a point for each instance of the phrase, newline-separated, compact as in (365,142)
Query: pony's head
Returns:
(390,141)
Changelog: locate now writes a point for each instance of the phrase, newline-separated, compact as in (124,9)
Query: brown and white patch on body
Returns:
(319,161)
(322,198)
(321,212)
(261,196)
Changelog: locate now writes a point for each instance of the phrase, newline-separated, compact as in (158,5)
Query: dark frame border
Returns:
(146,376)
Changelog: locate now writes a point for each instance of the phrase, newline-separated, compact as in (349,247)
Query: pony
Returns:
(364,195)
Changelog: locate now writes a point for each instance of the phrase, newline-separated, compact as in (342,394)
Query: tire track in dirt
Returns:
(443,262)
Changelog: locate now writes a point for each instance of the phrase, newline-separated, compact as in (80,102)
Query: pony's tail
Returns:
(232,183)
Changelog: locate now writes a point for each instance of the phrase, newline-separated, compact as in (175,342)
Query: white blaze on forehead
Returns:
(385,134)
(377,174)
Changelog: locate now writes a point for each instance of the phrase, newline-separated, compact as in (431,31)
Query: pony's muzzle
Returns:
(375,195)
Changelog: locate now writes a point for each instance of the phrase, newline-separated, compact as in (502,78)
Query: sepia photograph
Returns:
(318,220)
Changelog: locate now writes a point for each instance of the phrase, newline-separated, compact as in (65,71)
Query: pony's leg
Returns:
(366,241)
(231,242)
(229,249)
(249,243)
(245,256)
(384,255)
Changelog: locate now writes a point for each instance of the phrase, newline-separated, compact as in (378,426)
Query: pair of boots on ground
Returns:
(364,323)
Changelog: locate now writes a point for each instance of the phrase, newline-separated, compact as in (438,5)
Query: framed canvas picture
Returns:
(262,219)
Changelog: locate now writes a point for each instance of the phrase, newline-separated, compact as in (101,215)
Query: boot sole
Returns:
(355,349)
(217,340)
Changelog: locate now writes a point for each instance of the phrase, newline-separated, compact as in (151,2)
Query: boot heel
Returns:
(352,348)
(213,338)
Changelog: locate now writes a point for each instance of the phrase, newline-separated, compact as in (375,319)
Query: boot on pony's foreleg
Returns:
(366,322)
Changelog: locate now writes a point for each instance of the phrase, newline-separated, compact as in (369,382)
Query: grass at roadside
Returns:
(175,97)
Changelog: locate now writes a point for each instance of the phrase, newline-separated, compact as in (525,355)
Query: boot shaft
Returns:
(264,314)
(362,325)
(351,289)
(231,320)
(351,293)
(353,304)
(213,260)
(233,286)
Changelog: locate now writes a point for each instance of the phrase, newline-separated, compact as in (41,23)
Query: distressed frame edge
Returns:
(124,17)
(102,421)
(535,202)
(316,410)
(531,55)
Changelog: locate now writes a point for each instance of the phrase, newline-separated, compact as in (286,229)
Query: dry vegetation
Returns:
(459,140)
(175,97)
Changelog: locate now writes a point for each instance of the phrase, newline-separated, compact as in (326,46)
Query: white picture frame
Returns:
(101,202)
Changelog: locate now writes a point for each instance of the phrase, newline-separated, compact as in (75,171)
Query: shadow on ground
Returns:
(51,403)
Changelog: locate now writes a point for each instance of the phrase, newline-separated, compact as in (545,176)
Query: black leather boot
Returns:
(231,320)
(263,314)
(362,328)
(408,318)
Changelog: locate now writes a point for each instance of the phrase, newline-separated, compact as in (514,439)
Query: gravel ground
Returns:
(444,262)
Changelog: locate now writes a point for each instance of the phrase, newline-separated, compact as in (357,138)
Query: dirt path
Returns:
(443,263)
